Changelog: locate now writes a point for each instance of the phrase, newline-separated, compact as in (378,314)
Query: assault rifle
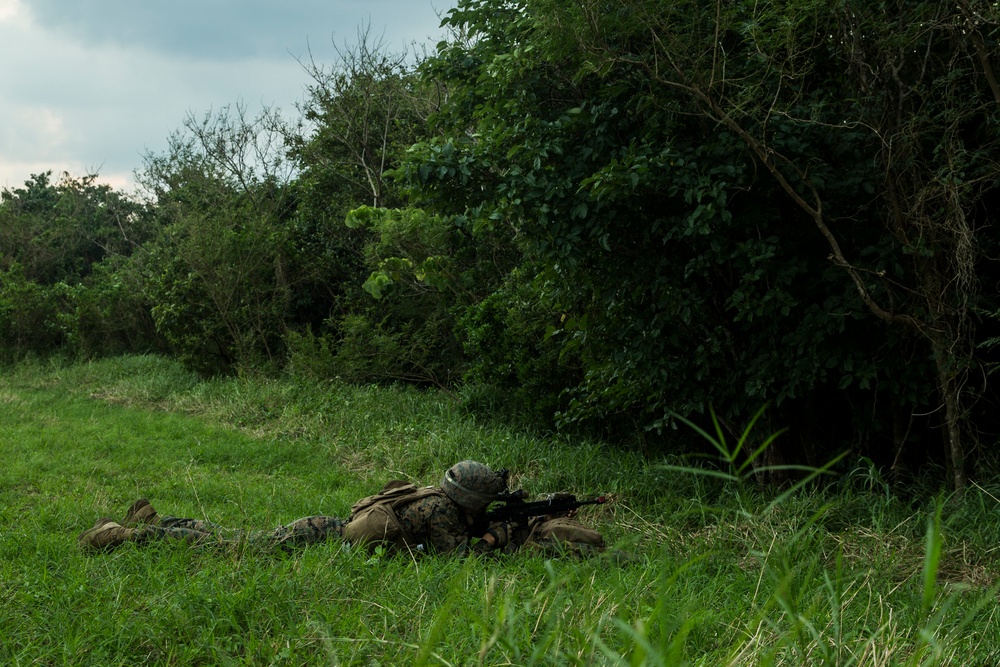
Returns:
(514,508)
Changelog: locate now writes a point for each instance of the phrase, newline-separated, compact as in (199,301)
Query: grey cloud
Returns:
(96,83)
(231,29)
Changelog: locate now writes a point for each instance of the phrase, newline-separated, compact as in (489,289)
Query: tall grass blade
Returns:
(932,560)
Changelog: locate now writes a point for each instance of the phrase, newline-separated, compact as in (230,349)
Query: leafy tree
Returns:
(28,316)
(361,114)
(59,231)
(724,215)
(424,273)
(218,278)
(510,350)
(918,104)
(358,118)
(61,245)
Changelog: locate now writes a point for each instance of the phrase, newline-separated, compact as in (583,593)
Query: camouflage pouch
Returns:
(563,534)
(376,526)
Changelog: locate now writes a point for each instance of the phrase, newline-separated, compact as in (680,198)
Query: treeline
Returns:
(604,214)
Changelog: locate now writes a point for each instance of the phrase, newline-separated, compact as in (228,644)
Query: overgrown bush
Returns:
(29,316)
(512,341)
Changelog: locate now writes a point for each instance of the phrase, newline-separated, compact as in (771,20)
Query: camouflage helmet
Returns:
(473,485)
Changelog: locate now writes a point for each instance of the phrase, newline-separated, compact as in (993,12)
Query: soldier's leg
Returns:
(199,525)
(309,530)
(189,535)
(107,534)
(144,516)
(142,524)
(145,524)
(193,531)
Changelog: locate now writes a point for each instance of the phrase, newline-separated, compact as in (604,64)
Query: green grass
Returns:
(718,575)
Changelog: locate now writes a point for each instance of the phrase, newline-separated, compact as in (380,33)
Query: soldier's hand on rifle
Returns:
(499,534)
(559,495)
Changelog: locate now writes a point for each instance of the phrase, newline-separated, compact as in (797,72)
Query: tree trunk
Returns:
(948,385)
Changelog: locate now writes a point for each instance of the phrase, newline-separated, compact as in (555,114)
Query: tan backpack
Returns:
(564,534)
(373,521)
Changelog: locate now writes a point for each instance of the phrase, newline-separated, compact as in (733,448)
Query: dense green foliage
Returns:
(722,216)
(718,575)
(60,286)
(604,215)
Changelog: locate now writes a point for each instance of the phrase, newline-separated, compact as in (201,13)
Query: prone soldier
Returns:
(401,517)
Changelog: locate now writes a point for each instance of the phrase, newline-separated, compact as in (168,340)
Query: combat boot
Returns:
(141,512)
(104,536)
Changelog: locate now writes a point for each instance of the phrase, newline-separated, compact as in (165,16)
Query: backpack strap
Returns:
(392,491)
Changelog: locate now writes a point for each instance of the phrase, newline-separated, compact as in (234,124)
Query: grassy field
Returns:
(717,576)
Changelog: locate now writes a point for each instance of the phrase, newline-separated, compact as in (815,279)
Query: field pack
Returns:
(564,534)
(373,520)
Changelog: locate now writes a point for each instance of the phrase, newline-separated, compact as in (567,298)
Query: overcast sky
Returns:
(92,85)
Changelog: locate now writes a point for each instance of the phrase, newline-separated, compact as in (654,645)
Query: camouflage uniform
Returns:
(308,530)
(438,522)
(436,519)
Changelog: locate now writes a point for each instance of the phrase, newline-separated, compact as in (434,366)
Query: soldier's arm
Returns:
(438,523)
(500,535)
(445,534)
